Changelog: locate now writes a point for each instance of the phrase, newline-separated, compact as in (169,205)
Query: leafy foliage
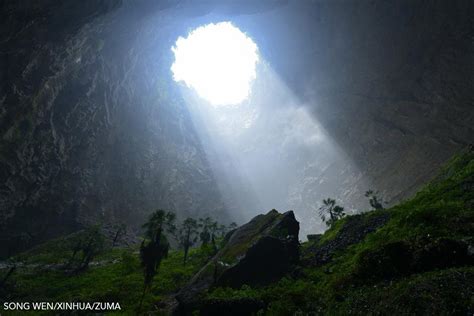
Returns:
(154,248)
(211,231)
(330,212)
(158,223)
(360,279)
(374,200)
(120,230)
(88,245)
(410,265)
(187,235)
(116,277)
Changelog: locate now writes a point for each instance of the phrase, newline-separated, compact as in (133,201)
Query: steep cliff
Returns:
(92,127)
(390,81)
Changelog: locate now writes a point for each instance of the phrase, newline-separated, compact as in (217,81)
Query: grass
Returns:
(442,210)
(119,279)
(377,275)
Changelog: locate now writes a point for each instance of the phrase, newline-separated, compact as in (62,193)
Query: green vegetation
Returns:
(117,276)
(187,235)
(120,231)
(84,267)
(88,245)
(330,212)
(374,200)
(261,222)
(412,258)
(155,246)
(411,264)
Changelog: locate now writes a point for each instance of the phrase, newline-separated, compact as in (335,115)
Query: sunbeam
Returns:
(270,152)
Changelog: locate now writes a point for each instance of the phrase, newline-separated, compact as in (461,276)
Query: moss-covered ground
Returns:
(114,276)
(409,265)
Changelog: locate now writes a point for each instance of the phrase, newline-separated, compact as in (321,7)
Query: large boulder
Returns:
(257,253)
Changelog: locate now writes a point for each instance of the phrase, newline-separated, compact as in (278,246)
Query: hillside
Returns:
(414,258)
(420,260)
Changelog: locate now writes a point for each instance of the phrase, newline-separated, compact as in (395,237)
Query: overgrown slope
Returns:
(416,257)
(114,276)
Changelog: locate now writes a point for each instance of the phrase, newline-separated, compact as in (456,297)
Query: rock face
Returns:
(87,132)
(93,128)
(257,253)
(390,82)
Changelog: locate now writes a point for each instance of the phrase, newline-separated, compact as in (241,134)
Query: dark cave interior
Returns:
(349,96)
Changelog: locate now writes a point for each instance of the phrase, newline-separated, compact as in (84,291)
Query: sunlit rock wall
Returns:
(391,81)
(91,128)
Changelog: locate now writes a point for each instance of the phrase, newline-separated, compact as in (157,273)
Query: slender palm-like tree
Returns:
(330,212)
(155,246)
(187,235)
(374,200)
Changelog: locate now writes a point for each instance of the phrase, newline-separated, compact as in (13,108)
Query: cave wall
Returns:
(92,128)
(391,81)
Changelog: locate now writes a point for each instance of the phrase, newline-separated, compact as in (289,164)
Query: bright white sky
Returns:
(218,61)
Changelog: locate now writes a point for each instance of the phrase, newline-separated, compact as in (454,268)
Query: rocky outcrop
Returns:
(257,253)
(353,230)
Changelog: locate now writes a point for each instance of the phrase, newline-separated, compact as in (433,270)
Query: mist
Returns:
(269,152)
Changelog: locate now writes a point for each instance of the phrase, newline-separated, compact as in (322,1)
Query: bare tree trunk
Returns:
(115,238)
(186,246)
(186,249)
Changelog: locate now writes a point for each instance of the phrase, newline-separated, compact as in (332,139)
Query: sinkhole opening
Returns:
(218,61)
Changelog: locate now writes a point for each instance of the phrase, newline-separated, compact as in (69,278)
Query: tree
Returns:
(232,226)
(374,200)
(120,230)
(159,222)
(205,234)
(215,230)
(93,246)
(187,235)
(224,230)
(155,245)
(211,231)
(89,244)
(330,212)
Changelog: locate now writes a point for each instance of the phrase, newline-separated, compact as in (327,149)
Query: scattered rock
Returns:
(353,231)
(257,253)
